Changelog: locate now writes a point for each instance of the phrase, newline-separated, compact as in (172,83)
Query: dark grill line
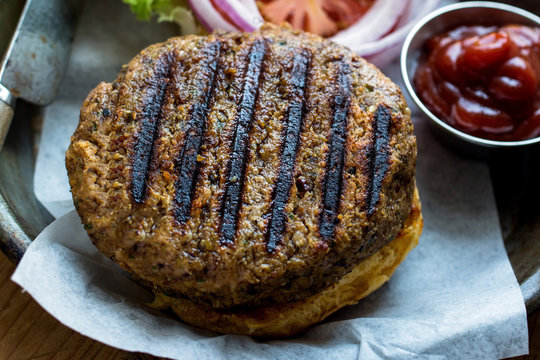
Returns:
(334,164)
(235,176)
(153,99)
(378,165)
(289,150)
(186,164)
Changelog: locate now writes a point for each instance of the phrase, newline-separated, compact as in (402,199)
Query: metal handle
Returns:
(7,104)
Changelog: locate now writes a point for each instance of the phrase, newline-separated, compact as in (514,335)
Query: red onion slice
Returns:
(378,21)
(240,14)
(251,5)
(382,51)
(209,17)
(377,36)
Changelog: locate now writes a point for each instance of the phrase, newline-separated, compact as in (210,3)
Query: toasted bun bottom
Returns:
(282,320)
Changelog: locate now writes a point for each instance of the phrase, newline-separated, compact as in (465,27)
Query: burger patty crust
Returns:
(243,169)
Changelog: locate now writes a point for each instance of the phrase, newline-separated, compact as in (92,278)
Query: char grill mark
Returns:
(379,154)
(153,99)
(333,181)
(186,164)
(237,165)
(289,150)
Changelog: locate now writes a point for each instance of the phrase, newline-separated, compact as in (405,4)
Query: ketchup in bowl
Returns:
(484,80)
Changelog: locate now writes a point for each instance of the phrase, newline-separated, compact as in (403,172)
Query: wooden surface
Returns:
(28,332)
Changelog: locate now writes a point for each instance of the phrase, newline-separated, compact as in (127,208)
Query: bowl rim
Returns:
(404,57)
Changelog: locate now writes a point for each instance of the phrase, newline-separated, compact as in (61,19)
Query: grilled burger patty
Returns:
(243,169)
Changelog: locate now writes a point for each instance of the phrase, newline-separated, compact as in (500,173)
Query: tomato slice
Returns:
(322,17)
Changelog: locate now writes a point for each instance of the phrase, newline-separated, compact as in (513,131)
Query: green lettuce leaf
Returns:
(141,8)
(166,10)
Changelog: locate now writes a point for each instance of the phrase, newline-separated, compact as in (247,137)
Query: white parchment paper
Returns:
(455,296)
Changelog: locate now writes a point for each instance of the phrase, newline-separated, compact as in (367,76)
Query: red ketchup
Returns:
(484,80)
